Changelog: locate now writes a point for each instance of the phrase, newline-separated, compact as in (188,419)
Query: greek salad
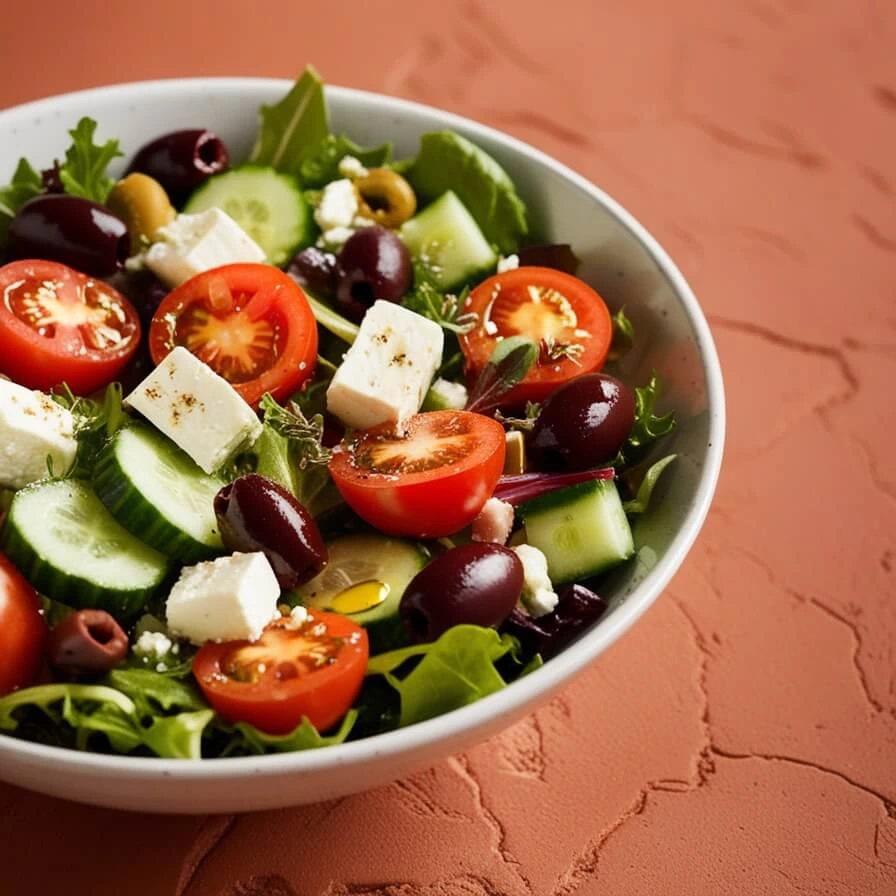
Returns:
(299,448)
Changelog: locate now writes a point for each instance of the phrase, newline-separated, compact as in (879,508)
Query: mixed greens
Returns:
(298,450)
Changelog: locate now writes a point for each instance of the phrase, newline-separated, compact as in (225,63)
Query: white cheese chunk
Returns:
(338,205)
(152,645)
(33,428)
(494,522)
(197,409)
(538,597)
(228,599)
(351,167)
(191,244)
(447,395)
(386,373)
(508,263)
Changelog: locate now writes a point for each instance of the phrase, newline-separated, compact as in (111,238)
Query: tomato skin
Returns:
(276,706)
(251,323)
(86,354)
(430,503)
(505,308)
(23,631)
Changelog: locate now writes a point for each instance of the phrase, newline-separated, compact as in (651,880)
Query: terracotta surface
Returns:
(742,738)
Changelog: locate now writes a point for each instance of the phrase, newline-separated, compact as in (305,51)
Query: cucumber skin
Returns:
(140,518)
(65,588)
(560,568)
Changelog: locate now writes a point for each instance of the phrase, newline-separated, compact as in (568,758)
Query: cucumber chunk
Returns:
(267,204)
(446,239)
(157,492)
(358,566)
(70,548)
(582,530)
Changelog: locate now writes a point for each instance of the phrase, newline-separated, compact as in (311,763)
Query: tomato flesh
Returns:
(58,325)
(23,630)
(250,323)
(312,670)
(568,320)
(429,480)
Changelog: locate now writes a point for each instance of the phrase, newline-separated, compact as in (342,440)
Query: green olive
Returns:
(386,197)
(142,203)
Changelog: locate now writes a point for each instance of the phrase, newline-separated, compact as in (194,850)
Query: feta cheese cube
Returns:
(447,395)
(197,409)
(191,244)
(228,599)
(32,428)
(538,597)
(386,373)
(338,205)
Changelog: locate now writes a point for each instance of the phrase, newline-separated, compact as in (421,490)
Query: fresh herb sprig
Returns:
(508,365)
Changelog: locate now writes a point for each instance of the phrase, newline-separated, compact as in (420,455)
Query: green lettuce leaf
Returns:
(448,161)
(154,692)
(457,669)
(247,739)
(95,423)
(26,183)
(178,736)
(322,165)
(84,171)
(647,428)
(640,502)
(623,336)
(291,130)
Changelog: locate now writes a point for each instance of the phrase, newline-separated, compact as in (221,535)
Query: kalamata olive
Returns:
(87,642)
(475,584)
(577,608)
(582,424)
(182,160)
(316,269)
(256,514)
(74,231)
(373,264)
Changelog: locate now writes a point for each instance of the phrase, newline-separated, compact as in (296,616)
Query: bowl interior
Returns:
(619,257)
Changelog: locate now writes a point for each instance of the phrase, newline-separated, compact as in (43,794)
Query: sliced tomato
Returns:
(428,481)
(565,316)
(22,629)
(57,325)
(313,670)
(250,323)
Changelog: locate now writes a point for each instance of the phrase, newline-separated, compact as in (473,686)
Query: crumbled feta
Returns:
(494,522)
(227,599)
(197,409)
(335,238)
(538,597)
(296,618)
(191,244)
(152,645)
(33,429)
(508,263)
(338,205)
(386,373)
(351,168)
(449,395)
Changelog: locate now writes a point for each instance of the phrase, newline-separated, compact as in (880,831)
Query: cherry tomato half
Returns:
(250,323)
(431,480)
(57,325)
(566,317)
(314,670)
(22,629)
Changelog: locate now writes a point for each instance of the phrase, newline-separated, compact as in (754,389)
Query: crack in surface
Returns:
(874,235)
(211,832)
(414,797)
(461,765)
(787,149)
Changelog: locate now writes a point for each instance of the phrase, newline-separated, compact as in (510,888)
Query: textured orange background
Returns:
(742,738)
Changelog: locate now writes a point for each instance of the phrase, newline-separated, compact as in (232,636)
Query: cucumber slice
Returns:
(377,569)
(157,492)
(69,547)
(582,530)
(448,242)
(267,204)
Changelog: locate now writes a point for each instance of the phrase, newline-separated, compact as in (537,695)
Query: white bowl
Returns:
(620,259)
